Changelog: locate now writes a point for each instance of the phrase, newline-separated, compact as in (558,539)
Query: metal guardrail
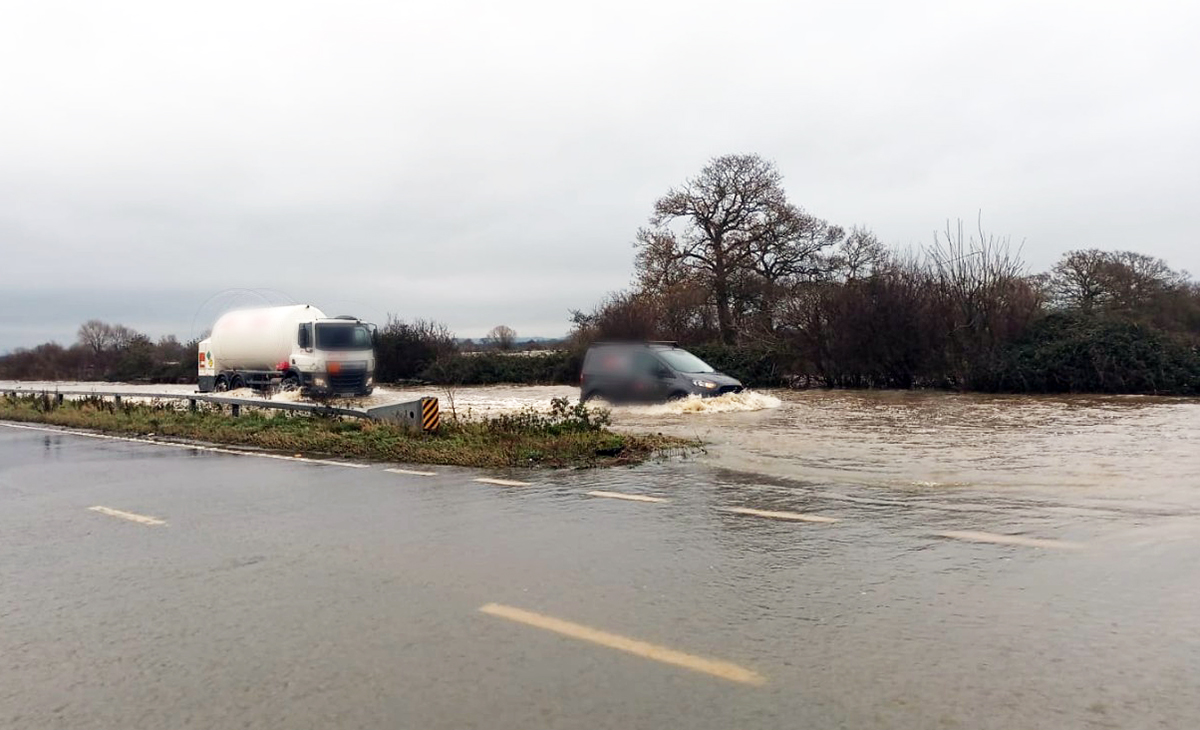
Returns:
(420,414)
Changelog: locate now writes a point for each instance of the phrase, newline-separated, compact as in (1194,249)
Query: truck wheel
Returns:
(220,385)
(236,382)
(290,383)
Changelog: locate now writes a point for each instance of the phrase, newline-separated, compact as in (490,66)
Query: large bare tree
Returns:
(1093,279)
(503,336)
(729,225)
(95,335)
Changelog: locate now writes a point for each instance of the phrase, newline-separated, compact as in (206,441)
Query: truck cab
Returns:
(332,356)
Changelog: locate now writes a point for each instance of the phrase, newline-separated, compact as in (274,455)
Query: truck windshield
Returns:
(343,337)
(684,362)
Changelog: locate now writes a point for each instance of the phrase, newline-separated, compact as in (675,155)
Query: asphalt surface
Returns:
(218,590)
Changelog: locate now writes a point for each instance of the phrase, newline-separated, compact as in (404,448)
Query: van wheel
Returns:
(237,382)
(220,385)
(677,395)
(588,396)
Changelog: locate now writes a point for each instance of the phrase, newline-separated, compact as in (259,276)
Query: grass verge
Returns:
(569,436)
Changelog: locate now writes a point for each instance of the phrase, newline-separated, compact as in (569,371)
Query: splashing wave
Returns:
(747,400)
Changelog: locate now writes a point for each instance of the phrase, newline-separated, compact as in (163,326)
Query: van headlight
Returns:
(708,384)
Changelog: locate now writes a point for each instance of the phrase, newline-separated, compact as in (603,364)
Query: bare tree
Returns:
(1136,280)
(123,336)
(1077,281)
(96,336)
(985,294)
(724,228)
(858,254)
(1091,279)
(503,337)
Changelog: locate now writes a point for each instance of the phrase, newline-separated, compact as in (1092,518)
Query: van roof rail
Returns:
(668,343)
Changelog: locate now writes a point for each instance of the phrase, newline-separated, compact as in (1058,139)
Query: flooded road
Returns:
(1090,448)
(150,586)
(834,559)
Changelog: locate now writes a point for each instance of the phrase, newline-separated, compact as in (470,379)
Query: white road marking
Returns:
(196,447)
(622,495)
(713,667)
(132,517)
(412,472)
(998,539)
(504,482)
(796,516)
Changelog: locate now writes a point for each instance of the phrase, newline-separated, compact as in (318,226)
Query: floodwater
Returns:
(1095,447)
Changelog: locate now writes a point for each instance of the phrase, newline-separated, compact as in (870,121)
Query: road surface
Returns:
(156,586)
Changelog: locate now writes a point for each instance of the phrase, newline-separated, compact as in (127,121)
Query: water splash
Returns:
(744,402)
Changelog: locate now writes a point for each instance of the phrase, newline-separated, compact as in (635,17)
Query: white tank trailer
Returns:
(293,347)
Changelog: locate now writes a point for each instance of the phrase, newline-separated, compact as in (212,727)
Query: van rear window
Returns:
(607,360)
(611,362)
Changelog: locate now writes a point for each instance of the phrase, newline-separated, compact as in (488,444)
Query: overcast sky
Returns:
(483,163)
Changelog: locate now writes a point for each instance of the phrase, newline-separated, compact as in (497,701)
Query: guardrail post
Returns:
(117,401)
(58,399)
(192,405)
(419,415)
(235,410)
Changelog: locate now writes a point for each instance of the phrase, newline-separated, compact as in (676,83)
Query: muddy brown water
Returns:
(1104,447)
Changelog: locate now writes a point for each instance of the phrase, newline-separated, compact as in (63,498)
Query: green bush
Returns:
(1091,353)
(403,350)
(562,418)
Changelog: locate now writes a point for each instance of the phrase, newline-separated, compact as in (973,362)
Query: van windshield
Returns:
(684,362)
(343,337)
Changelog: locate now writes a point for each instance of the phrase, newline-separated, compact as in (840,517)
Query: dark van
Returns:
(649,372)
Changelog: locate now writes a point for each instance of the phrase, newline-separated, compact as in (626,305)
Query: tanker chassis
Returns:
(292,348)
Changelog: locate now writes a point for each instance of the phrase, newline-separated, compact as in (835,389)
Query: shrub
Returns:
(404,350)
(1090,353)
(562,418)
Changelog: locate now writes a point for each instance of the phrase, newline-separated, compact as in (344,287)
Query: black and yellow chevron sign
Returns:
(429,414)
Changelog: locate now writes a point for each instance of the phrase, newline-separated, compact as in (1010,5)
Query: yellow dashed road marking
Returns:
(622,495)
(713,667)
(796,516)
(998,539)
(140,519)
(504,482)
(413,472)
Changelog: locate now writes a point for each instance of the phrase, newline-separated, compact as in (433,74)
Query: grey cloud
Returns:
(480,164)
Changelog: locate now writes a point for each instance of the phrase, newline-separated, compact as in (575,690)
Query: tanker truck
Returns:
(295,347)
